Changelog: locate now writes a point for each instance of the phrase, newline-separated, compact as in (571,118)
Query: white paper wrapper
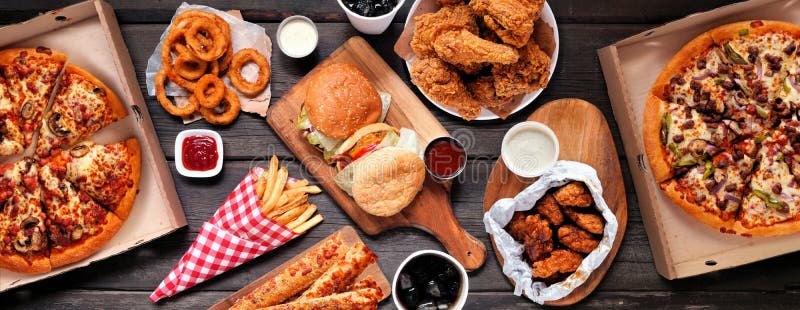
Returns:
(517,269)
(243,35)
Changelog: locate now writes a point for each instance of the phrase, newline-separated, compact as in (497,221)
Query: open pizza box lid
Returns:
(90,36)
(681,245)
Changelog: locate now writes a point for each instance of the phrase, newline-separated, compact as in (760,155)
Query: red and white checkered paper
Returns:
(237,233)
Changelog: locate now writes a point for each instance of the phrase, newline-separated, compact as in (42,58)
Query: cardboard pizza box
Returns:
(90,36)
(681,245)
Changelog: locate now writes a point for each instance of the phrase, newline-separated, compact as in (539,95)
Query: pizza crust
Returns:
(651,132)
(682,59)
(8,55)
(729,32)
(123,208)
(78,251)
(777,229)
(696,211)
(17,263)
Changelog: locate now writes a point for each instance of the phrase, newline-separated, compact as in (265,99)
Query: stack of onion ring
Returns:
(195,53)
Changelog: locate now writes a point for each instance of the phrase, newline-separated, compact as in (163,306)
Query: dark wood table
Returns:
(126,280)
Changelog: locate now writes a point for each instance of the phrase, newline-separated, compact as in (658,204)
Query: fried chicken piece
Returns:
(592,223)
(470,69)
(430,25)
(482,89)
(563,261)
(449,2)
(573,194)
(464,47)
(512,20)
(548,207)
(530,73)
(577,239)
(534,233)
(441,82)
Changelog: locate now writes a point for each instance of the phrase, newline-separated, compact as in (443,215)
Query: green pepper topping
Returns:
(665,121)
(746,89)
(733,55)
(786,86)
(763,113)
(744,32)
(674,150)
(769,201)
(686,162)
(718,80)
(709,170)
(779,157)
(760,138)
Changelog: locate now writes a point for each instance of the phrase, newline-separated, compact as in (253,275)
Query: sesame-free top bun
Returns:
(387,180)
(340,100)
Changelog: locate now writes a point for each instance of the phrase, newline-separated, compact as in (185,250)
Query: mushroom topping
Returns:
(77,233)
(27,110)
(99,91)
(697,147)
(79,150)
(55,126)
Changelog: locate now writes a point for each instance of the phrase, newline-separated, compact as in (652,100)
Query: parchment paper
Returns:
(243,35)
(515,267)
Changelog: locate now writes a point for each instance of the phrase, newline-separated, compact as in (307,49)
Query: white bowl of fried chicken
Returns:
(482,59)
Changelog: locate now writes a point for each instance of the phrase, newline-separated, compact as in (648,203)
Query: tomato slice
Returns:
(364,150)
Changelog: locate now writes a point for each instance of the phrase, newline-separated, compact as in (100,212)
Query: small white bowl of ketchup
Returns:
(198,153)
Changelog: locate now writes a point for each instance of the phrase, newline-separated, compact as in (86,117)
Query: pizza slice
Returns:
(12,140)
(77,225)
(712,191)
(108,173)
(82,106)
(32,74)
(23,240)
(773,204)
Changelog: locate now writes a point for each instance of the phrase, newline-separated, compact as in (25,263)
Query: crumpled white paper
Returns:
(243,35)
(515,268)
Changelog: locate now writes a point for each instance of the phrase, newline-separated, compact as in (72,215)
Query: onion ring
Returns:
(207,51)
(215,85)
(190,14)
(228,116)
(189,68)
(242,57)
(225,61)
(170,107)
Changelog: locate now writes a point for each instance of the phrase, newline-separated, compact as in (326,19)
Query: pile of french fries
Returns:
(287,202)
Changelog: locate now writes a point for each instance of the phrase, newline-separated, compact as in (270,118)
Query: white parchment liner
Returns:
(243,35)
(515,268)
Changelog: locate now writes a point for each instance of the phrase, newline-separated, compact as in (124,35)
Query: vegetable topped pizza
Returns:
(722,131)
(65,203)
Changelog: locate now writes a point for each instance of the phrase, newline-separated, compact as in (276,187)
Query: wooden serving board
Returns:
(583,136)
(431,211)
(350,237)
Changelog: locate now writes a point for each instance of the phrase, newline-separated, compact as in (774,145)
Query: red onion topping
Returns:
(731,198)
(705,74)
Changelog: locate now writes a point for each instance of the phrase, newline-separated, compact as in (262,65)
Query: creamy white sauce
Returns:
(298,38)
(529,150)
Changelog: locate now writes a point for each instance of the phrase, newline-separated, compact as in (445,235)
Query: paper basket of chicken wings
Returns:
(553,234)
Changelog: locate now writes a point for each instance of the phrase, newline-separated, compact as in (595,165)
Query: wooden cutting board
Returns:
(350,237)
(431,211)
(583,136)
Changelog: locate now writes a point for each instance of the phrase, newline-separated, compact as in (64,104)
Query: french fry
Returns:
(287,197)
(310,189)
(261,183)
(296,184)
(280,182)
(270,183)
(285,208)
(308,224)
(289,216)
(303,217)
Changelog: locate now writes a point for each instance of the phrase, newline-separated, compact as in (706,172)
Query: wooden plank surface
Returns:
(589,143)
(431,210)
(125,281)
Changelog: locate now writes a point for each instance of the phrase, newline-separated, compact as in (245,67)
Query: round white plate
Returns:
(547,16)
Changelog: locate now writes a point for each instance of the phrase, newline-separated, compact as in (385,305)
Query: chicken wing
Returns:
(512,20)
(574,194)
(576,239)
(482,89)
(530,73)
(592,223)
(534,232)
(442,83)
(563,261)
(464,47)
(548,207)
(430,25)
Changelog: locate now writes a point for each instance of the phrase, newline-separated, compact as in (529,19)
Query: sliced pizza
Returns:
(108,173)
(82,106)
(23,239)
(12,141)
(32,74)
(77,225)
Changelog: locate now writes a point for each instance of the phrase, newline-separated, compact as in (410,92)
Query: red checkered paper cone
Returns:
(237,233)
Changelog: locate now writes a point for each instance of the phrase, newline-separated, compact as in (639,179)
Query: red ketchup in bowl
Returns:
(445,158)
(200,153)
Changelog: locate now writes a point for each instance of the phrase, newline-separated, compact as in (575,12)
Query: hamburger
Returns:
(381,168)
(339,100)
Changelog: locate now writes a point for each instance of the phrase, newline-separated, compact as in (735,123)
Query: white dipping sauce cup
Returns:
(371,25)
(292,53)
(532,162)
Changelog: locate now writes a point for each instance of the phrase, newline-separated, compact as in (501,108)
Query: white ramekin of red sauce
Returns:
(198,153)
